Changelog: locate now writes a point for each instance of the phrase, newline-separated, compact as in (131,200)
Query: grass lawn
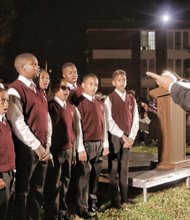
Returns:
(165,202)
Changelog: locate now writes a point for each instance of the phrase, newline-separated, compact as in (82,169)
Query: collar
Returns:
(120,93)
(72,86)
(26,81)
(60,102)
(2,86)
(1,117)
(89,97)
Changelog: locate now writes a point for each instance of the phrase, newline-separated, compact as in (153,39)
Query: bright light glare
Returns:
(166,18)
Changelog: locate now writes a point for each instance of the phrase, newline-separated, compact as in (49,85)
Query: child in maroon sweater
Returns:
(95,145)
(66,134)
(7,156)
(123,124)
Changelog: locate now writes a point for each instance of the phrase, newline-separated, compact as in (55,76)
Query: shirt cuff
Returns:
(170,86)
(80,149)
(105,144)
(35,145)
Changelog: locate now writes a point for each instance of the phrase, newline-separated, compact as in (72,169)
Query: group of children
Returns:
(73,127)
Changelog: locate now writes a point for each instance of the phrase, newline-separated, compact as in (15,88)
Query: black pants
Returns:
(6,196)
(89,174)
(57,184)
(29,185)
(118,168)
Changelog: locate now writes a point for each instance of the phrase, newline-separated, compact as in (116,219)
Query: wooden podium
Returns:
(172,152)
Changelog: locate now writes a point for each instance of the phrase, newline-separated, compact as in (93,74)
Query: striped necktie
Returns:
(32,87)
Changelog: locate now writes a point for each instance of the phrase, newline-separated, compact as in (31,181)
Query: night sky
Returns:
(55,30)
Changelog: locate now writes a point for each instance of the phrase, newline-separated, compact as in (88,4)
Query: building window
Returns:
(151,65)
(177,40)
(148,40)
(178,66)
(143,67)
(186,64)
(185,40)
(147,65)
(170,40)
(170,65)
(151,40)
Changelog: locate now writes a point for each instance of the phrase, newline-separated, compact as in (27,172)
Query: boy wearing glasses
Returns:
(66,134)
(7,156)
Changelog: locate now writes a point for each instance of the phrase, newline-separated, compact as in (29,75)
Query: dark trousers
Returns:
(57,184)
(30,177)
(118,168)
(89,174)
(6,196)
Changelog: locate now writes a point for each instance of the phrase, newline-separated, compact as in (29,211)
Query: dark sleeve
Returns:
(181,96)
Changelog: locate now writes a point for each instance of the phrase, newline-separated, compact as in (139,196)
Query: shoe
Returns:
(95,208)
(84,214)
(66,216)
(131,201)
(124,206)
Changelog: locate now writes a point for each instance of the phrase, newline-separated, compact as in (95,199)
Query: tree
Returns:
(7,17)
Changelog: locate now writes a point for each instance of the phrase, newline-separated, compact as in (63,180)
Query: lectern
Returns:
(172,154)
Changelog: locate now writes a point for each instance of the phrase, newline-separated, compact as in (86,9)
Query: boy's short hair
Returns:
(2,89)
(89,75)
(65,65)
(21,59)
(118,72)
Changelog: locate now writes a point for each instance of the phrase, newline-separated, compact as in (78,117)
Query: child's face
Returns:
(90,86)
(4,102)
(30,68)
(44,80)
(70,74)
(63,92)
(120,82)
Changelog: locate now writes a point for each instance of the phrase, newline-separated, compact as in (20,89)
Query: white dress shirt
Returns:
(72,86)
(17,120)
(112,126)
(1,117)
(2,86)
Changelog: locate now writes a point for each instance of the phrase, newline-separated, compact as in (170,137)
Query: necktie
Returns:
(64,105)
(32,87)
(4,121)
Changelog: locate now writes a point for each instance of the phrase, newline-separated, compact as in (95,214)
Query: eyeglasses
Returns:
(3,101)
(65,88)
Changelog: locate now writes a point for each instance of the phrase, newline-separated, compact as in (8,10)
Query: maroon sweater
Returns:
(63,126)
(7,154)
(35,110)
(122,111)
(92,119)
